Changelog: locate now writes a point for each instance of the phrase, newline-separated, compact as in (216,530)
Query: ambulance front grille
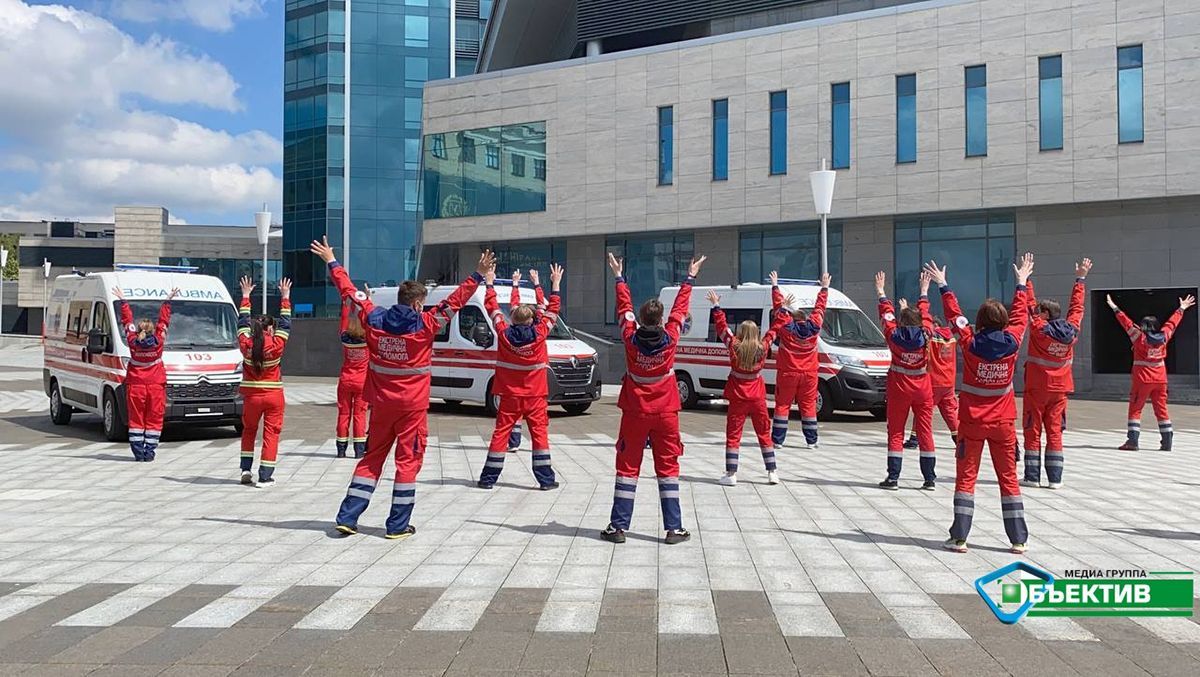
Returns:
(201,391)
(577,374)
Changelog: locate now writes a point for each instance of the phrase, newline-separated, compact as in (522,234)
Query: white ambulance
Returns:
(86,352)
(464,352)
(853,354)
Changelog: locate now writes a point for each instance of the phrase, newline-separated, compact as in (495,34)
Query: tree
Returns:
(9,242)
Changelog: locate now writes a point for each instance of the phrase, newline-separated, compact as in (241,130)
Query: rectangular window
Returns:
(539,169)
(779,132)
(840,124)
(906,118)
(1050,108)
(976,105)
(720,139)
(651,263)
(453,187)
(493,156)
(793,249)
(666,146)
(518,165)
(1129,94)
(438,146)
(466,149)
(981,246)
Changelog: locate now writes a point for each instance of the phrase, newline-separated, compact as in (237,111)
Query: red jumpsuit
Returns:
(400,349)
(351,404)
(649,404)
(942,372)
(1150,376)
(796,366)
(145,382)
(989,412)
(262,389)
(521,363)
(514,437)
(908,389)
(747,396)
(1048,380)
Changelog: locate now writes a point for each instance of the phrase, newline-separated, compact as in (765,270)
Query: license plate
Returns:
(203,410)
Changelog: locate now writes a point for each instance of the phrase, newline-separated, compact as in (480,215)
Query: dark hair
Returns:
(258,326)
(910,317)
(410,292)
(939,321)
(1149,323)
(651,313)
(1052,308)
(992,315)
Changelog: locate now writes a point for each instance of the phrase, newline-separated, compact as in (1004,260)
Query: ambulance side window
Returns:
(734,317)
(443,334)
(79,321)
(100,321)
(468,317)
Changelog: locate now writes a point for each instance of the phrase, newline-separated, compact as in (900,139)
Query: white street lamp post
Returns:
(262,222)
(45,296)
(822,189)
(3,266)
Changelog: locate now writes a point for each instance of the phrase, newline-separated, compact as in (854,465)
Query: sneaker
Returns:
(729,479)
(269,482)
(1034,484)
(676,536)
(1128,446)
(402,534)
(929,485)
(812,445)
(772,477)
(613,534)
(955,545)
(513,450)
(247,478)
(1054,485)
(548,486)
(341,448)
(911,442)
(346,529)
(890,485)
(1018,548)
(485,485)
(1164,447)
(341,453)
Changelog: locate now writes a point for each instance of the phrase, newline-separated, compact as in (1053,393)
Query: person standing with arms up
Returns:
(649,404)
(145,378)
(262,342)
(521,363)
(797,362)
(351,405)
(1150,371)
(989,409)
(745,390)
(400,354)
(514,437)
(1048,379)
(908,384)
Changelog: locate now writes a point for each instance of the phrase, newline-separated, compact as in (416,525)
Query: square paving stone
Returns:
(1025,656)
(862,615)
(47,642)
(167,647)
(288,607)
(953,657)
(296,648)
(105,645)
(197,671)
(175,607)
(757,653)
(489,650)
(564,653)
(363,650)
(1094,658)
(50,612)
(624,652)
(891,656)
(232,646)
(825,656)
(974,617)
(1158,658)
(425,651)
(127,671)
(693,654)
(49,670)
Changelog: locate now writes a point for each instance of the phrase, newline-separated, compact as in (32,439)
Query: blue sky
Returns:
(175,103)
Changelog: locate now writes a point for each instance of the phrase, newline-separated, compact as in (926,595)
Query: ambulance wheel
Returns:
(491,403)
(453,403)
(576,409)
(60,414)
(824,402)
(687,392)
(114,428)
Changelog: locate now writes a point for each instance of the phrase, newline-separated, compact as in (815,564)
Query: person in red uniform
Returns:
(649,404)
(988,407)
(908,384)
(1150,371)
(745,390)
(400,357)
(145,378)
(1048,379)
(514,437)
(262,341)
(943,369)
(521,363)
(351,405)
(796,362)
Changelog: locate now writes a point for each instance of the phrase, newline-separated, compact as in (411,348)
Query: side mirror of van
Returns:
(97,341)
(481,336)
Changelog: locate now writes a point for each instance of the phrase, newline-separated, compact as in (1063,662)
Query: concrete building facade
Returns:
(963,130)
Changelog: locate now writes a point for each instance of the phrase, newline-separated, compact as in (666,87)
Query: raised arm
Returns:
(1031,305)
(491,304)
(625,317)
(344,322)
(126,314)
(959,324)
(776,295)
(683,300)
(514,298)
(283,328)
(722,324)
(164,317)
(340,279)
(1018,320)
(1075,310)
(545,323)
(817,316)
(539,294)
(442,312)
(1172,322)
(1131,329)
(887,313)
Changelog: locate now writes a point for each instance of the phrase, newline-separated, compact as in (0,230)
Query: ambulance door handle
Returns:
(85,356)
(460,353)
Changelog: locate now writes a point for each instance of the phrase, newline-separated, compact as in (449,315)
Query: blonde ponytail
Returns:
(749,347)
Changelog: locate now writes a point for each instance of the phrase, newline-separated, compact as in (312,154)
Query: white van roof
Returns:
(151,283)
(805,292)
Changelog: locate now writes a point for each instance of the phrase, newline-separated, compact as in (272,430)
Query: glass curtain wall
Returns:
(793,249)
(508,176)
(651,263)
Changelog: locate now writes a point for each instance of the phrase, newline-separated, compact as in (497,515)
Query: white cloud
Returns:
(68,83)
(216,15)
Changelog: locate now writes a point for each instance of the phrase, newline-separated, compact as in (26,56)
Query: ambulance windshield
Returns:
(850,328)
(195,325)
(560,331)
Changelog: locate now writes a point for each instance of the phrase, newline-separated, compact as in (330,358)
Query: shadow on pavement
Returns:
(559,529)
(466,482)
(1157,533)
(290,525)
(860,536)
(198,479)
(97,457)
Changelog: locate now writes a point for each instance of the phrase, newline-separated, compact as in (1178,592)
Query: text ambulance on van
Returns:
(464,353)
(852,351)
(86,353)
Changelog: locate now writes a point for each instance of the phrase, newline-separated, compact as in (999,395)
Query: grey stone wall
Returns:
(139,234)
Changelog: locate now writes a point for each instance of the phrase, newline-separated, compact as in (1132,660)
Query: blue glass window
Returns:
(720,139)
(666,146)
(416,30)
(976,105)
(840,124)
(779,132)
(518,164)
(455,184)
(1050,108)
(1130,128)
(793,249)
(651,263)
(906,118)
(493,156)
(979,249)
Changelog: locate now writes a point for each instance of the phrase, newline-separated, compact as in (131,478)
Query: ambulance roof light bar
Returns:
(792,280)
(155,268)
(508,283)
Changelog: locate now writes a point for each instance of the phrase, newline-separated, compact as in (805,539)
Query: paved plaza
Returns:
(109,567)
